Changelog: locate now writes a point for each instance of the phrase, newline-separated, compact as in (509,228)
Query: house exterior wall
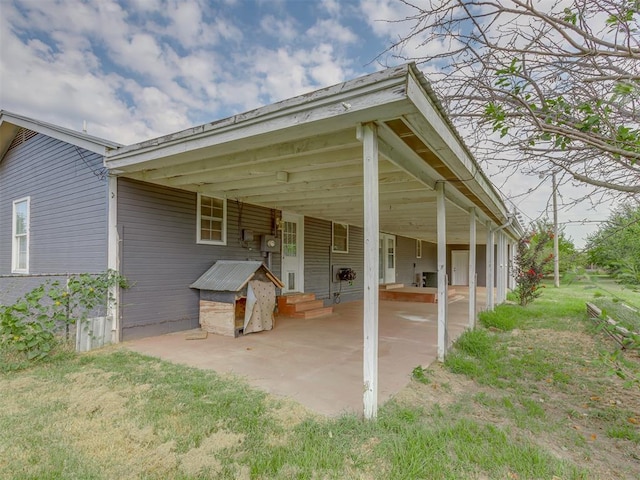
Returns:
(68,189)
(408,266)
(481,262)
(355,260)
(160,258)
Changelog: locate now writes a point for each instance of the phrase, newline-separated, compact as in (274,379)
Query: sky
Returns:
(132,70)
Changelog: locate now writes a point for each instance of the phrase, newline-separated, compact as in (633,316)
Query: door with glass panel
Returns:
(292,252)
(387,258)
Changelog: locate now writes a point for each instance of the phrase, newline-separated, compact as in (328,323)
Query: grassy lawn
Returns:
(531,394)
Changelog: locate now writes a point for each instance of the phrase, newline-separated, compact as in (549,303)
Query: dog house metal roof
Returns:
(232,276)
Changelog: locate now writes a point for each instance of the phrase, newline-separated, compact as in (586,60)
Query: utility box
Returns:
(269,243)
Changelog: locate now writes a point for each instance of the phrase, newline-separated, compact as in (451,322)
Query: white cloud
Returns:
(332,7)
(383,15)
(281,28)
(331,29)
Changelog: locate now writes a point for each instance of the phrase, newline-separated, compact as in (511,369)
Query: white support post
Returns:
(113,244)
(512,264)
(442,272)
(500,277)
(472,268)
(371,252)
(490,267)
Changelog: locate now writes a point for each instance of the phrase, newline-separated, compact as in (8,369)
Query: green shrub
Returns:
(30,326)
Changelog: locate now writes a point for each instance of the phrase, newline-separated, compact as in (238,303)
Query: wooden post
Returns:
(490,269)
(512,264)
(472,268)
(500,290)
(371,252)
(113,255)
(442,272)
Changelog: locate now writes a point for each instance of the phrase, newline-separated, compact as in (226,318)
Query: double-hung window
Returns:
(340,238)
(212,220)
(20,236)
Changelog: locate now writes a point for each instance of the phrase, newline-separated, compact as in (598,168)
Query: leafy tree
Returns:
(555,84)
(530,264)
(569,258)
(616,245)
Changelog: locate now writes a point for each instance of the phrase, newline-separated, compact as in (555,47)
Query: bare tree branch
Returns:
(559,87)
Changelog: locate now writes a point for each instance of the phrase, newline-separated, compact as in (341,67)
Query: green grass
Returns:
(512,393)
(61,420)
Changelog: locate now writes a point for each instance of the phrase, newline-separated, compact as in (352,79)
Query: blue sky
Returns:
(137,69)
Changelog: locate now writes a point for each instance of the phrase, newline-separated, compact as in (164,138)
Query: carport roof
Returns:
(303,155)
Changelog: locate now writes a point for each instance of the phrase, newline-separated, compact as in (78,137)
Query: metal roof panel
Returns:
(228,275)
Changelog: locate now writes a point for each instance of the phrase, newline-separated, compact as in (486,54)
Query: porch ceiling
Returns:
(312,165)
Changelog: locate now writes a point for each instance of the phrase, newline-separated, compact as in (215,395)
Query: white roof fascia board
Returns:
(353,101)
(79,139)
(455,153)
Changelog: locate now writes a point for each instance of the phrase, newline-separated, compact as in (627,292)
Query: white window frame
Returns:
(418,248)
(334,248)
(14,236)
(199,220)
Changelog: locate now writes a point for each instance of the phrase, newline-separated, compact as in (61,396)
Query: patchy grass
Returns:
(527,398)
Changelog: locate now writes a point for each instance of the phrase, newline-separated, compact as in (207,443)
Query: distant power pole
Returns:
(556,253)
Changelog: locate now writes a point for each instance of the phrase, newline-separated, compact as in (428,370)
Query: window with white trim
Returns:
(418,248)
(212,220)
(20,236)
(340,238)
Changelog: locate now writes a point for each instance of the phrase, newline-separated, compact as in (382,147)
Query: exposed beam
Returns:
(388,201)
(318,161)
(298,181)
(324,144)
(312,191)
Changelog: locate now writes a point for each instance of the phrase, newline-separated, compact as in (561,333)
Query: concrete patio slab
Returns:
(318,362)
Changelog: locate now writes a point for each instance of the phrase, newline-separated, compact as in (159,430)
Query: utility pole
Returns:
(556,254)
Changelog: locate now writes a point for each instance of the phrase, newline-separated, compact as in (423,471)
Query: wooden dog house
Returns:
(237,297)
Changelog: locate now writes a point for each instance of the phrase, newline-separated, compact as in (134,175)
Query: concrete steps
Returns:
(302,305)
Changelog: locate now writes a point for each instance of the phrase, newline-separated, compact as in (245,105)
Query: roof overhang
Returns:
(11,123)
(303,155)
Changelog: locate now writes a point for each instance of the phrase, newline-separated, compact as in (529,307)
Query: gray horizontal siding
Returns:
(408,265)
(355,260)
(160,256)
(317,270)
(68,225)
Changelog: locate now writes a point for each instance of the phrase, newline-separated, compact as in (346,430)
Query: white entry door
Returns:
(459,267)
(292,253)
(387,258)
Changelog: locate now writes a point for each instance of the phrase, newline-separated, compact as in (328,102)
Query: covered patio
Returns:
(377,153)
(318,362)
